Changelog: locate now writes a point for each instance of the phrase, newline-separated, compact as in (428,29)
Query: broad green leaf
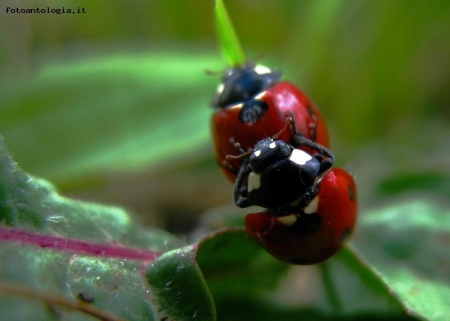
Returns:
(407,245)
(353,289)
(266,289)
(247,283)
(228,260)
(235,266)
(53,246)
(121,112)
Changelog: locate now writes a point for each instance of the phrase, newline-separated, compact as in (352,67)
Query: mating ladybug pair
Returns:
(271,142)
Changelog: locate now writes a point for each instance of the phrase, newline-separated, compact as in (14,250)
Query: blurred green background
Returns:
(113,105)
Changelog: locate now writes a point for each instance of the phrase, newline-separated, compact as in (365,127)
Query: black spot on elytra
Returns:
(252,111)
(312,132)
(313,126)
(311,113)
(351,193)
(344,235)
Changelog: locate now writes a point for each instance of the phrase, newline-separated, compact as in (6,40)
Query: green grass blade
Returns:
(229,43)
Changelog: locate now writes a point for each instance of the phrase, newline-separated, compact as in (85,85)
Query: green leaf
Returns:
(178,286)
(249,284)
(235,266)
(231,49)
(352,288)
(407,245)
(51,246)
(178,282)
(289,292)
(56,247)
(109,113)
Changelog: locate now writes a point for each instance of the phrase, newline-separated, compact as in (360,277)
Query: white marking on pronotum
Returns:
(220,88)
(312,206)
(260,96)
(257,153)
(300,157)
(272,145)
(237,106)
(287,220)
(254,182)
(260,70)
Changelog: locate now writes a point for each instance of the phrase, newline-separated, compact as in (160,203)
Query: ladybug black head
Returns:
(241,84)
(268,152)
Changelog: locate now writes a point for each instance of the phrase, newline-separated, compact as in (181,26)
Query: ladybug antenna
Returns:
(289,121)
(248,152)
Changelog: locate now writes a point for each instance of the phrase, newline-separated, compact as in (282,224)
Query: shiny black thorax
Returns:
(241,84)
(278,175)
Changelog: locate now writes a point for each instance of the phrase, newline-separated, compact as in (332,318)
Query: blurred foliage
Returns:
(112,105)
(372,67)
(378,70)
(98,115)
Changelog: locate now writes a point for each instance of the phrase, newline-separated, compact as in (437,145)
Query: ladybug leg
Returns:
(240,192)
(299,139)
(225,165)
(237,146)
(240,201)
(323,151)
(325,165)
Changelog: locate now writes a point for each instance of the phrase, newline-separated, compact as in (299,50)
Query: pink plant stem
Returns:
(58,243)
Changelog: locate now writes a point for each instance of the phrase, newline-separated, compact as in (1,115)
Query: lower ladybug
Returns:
(252,104)
(314,232)
(276,174)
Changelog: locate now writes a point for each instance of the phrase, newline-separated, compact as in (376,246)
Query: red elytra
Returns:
(281,100)
(314,233)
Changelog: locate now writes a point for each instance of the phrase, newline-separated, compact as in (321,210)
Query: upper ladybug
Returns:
(253,104)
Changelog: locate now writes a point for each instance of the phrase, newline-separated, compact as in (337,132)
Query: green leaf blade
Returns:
(178,287)
(230,46)
(123,112)
(51,244)
(247,283)
(407,245)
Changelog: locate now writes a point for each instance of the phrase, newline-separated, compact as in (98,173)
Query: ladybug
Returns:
(313,232)
(252,104)
(277,174)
